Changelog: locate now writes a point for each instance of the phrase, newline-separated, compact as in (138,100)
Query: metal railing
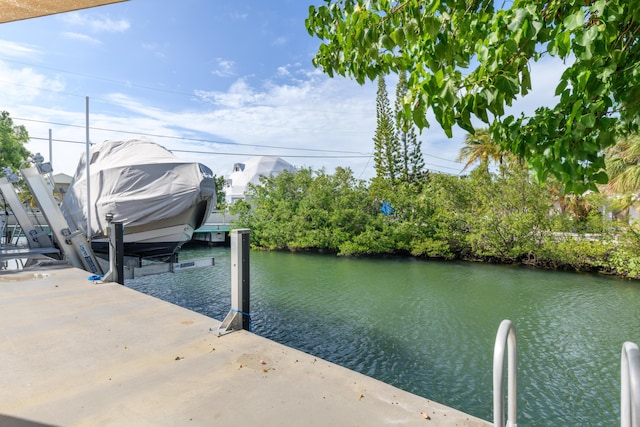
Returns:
(506,337)
(630,385)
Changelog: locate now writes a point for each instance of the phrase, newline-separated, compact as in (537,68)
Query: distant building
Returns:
(250,172)
(61,183)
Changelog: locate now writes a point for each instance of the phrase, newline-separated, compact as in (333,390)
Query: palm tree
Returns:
(480,146)
(623,166)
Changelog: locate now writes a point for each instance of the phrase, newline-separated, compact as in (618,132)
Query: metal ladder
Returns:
(630,385)
(506,337)
(629,380)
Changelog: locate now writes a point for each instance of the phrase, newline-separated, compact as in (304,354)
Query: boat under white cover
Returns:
(159,198)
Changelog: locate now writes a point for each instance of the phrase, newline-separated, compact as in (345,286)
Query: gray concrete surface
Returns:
(74,353)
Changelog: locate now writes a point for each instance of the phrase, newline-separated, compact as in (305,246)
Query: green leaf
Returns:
(439,76)
(508,84)
(575,20)
(583,79)
(526,81)
(431,26)
(588,120)
(464,121)
(561,86)
(516,22)
(398,37)
(563,42)
(387,42)
(411,31)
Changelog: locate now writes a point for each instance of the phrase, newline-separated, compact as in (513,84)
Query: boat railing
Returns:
(630,385)
(506,337)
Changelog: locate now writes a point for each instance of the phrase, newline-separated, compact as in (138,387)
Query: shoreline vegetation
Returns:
(500,218)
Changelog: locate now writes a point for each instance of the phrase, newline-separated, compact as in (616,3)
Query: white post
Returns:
(240,274)
(239,316)
(50,149)
(88,173)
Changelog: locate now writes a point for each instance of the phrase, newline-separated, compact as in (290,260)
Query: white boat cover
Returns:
(136,180)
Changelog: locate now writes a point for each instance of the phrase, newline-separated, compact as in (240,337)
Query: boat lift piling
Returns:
(116,252)
(239,315)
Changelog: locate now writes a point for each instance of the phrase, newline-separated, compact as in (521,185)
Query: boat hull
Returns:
(160,238)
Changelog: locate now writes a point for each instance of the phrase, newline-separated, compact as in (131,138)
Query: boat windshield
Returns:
(206,172)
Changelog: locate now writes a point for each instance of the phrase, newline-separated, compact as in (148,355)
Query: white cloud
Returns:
(17,50)
(81,37)
(19,85)
(224,68)
(239,94)
(97,25)
(283,72)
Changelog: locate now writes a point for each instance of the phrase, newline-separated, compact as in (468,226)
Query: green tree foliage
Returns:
(505,217)
(510,217)
(472,59)
(13,153)
(386,154)
(305,210)
(220,195)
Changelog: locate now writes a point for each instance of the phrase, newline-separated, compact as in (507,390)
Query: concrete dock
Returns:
(75,353)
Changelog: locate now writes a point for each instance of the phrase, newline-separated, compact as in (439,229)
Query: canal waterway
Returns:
(430,327)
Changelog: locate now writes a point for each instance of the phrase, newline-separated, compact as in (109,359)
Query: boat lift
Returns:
(35,238)
(73,244)
(38,241)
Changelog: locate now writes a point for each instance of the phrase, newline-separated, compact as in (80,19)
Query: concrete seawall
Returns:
(74,353)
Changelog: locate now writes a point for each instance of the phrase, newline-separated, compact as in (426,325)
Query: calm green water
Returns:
(430,327)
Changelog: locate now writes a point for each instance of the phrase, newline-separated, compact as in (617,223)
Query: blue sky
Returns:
(227,79)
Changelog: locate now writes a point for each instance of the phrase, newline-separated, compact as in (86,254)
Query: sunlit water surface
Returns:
(430,327)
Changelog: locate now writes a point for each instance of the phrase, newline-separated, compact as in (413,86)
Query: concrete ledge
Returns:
(74,353)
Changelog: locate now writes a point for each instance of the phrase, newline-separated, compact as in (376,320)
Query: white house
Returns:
(250,172)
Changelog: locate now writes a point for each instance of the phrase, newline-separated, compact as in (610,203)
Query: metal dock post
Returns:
(238,317)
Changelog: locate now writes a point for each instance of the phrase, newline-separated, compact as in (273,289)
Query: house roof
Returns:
(14,10)
(62,178)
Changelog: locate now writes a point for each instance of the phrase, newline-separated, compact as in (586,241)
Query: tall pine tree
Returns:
(411,160)
(386,147)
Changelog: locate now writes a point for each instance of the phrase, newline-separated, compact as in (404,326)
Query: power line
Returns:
(195,139)
(211,141)
(221,153)
(443,167)
(442,158)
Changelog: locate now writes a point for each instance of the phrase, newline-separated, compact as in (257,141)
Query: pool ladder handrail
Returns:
(630,385)
(506,336)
